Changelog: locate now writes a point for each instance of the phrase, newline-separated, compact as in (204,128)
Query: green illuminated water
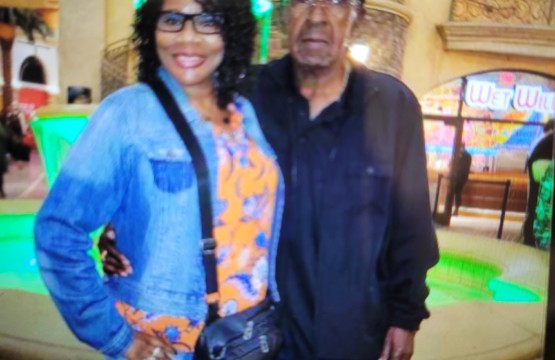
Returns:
(455,279)
(18,266)
(55,135)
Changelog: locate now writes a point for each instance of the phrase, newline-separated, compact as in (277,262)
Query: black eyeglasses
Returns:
(203,23)
(328,2)
(337,7)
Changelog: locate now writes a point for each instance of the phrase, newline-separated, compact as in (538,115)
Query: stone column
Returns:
(81,45)
(119,17)
(384,30)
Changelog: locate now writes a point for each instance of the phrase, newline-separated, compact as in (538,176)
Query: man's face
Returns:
(318,30)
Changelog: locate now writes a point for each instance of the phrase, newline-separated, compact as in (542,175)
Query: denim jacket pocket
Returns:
(172,170)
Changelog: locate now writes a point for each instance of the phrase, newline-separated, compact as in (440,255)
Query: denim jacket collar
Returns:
(201,127)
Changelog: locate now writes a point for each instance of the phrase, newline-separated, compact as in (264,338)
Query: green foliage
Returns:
(27,20)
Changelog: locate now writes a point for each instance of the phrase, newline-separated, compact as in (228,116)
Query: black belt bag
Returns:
(252,334)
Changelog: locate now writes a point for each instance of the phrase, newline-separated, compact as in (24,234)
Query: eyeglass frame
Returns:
(354,3)
(190,17)
(336,10)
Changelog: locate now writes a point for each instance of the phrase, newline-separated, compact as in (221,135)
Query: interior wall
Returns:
(81,43)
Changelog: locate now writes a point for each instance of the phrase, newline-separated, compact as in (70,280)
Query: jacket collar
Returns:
(173,85)
(281,72)
(361,80)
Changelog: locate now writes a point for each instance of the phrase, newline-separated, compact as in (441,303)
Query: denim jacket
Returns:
(130,168)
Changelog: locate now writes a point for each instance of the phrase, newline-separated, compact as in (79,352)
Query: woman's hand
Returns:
(149,347)
(113,262)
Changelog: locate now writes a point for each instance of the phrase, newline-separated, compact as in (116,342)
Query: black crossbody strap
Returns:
(203,180)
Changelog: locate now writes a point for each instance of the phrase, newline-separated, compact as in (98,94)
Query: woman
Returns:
(131,168)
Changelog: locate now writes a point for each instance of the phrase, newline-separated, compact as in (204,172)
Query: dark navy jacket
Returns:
(375,234)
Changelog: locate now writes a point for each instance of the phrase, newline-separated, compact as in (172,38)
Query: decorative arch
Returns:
(506,92)
(497,116)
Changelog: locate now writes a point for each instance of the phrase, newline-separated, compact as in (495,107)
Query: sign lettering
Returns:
(524,98)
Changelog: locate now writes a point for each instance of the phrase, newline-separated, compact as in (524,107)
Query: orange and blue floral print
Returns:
(180,332)
(247,184)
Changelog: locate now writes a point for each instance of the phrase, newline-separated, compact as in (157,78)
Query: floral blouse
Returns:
(247,184)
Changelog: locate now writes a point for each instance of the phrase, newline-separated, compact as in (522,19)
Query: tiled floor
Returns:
(486,223)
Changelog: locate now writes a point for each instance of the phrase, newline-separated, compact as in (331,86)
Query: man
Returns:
(461,171)
(357,236)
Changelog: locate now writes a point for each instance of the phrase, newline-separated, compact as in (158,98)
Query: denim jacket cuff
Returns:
(120,343)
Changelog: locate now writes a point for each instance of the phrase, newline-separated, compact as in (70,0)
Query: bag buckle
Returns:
(208,246)
(247,335)
(264,346)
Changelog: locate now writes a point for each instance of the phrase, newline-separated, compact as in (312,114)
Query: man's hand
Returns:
(113,262)
(399,344)
(146,346)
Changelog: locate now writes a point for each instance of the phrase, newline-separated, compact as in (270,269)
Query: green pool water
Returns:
(455,279)
(458,278)
(18,266)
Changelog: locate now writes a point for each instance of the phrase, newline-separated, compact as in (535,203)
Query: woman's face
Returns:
(189,56)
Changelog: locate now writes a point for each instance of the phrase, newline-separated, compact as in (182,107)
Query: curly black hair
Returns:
(238,33)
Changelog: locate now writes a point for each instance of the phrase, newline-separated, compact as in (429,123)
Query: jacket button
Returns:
(370,170)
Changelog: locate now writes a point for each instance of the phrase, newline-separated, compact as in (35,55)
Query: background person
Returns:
(461,171)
